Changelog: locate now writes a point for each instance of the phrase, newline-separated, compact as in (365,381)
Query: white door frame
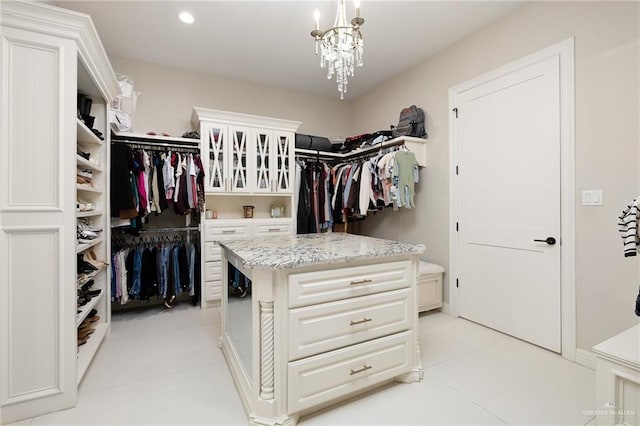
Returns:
(565,51)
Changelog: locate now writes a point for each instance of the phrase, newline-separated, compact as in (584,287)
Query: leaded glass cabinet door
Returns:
(238,160)
(263,173)
(217,149)
(283,150)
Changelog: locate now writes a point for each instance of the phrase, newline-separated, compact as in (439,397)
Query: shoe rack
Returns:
(92,251)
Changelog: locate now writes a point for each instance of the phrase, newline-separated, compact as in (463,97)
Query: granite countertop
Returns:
(294,251)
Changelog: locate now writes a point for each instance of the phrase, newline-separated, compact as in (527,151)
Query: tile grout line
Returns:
(466,398)
(142,380)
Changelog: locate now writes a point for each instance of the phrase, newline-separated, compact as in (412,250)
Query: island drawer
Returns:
(324,327)
(216,230)
(310,288)
(331,375)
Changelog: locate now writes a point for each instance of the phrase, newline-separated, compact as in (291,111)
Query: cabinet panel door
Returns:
(37,224)
(309,288)
(262,144)
(283,163)
(320,328)
(217,151)
(332,375)
(238,157)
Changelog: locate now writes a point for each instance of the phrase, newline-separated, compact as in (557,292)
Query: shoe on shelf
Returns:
(85,155)
(85,173)
(86,225)
(84,206)
(87,285)
(83,180)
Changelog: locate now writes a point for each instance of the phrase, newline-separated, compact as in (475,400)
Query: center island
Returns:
(311,320)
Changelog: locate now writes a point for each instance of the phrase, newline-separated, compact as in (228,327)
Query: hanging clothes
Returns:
(149,181)
(155,269)
(348,191)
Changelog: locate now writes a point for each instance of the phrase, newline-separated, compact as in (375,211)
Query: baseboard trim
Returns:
(445,308)
(586,358)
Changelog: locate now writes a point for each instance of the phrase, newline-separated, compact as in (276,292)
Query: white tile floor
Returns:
(164,367)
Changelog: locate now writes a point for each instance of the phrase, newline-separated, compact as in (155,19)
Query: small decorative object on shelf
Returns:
(248,211)
(277,210)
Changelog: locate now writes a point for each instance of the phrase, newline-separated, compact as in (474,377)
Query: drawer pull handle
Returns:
(360,370)
(274,229)
(362,321)
(360,282)
(229,231)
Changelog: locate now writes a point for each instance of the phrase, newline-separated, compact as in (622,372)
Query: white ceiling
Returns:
(268,42)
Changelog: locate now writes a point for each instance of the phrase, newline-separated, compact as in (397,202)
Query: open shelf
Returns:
(138,137)
(82,247)
(89,213)
(89,349)
(88,188)
(86,164)
(85,135)
(84,310)
(90,276)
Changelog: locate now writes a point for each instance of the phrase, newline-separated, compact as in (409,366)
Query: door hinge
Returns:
(457,227)
(457,283)
(456,111)
(457,170)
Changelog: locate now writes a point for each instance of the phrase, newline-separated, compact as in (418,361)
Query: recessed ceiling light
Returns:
(186,17)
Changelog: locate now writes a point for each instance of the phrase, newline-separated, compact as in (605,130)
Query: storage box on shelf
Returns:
(55,55)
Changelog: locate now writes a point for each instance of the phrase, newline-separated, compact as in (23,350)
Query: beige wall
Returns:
(607,139)
(607,134)
(168,96)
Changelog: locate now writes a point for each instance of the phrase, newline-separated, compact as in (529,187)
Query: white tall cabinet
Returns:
(48,55)
(249,161)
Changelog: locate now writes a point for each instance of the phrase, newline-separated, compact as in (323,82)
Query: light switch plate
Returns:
(592,197)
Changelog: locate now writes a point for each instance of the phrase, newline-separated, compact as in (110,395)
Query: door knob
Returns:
(549,240)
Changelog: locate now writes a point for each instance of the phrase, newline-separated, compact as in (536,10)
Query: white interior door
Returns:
(508,197)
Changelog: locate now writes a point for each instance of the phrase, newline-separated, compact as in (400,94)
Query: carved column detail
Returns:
(266,350)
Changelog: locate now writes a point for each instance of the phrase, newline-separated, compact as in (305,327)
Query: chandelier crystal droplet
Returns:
(340,47)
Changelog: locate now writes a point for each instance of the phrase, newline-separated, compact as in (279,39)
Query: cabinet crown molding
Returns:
(235,118)
(46,19)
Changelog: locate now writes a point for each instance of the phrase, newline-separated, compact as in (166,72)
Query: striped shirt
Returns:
(628,226)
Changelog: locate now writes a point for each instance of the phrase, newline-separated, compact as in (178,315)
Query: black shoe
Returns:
(638,305)
(87,267)
(86,286)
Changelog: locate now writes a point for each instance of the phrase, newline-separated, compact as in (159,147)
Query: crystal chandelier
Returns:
(341,46)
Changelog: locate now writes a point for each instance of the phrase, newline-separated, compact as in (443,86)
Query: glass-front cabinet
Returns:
(283,164)
(216,149)
(237,160)
(246,154)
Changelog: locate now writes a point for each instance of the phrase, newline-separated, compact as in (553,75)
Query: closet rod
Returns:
(156,144)
(162,230)
(309,153)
